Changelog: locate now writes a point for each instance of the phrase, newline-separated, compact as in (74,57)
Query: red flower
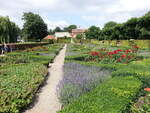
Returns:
(128,51)
(94,53)
(147,89)
(115,52)
(123,56)
(129,57)
(136,47)
(110,53)
(119,50)
(119,60)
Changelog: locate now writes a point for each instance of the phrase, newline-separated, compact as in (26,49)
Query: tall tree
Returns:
(131,29)
(110,24)
(57,29)
(34,26)
(144,26)
(69,28)
(93,33)
(9,31)
(50,32)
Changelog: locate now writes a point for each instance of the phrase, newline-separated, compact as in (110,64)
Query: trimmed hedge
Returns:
(113,96)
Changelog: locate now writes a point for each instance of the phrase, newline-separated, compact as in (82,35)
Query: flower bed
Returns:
(79,79)
(21,74)
(116,56)
(18,83)
(113,96)
(129,77)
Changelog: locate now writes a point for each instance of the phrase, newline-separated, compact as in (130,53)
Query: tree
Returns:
(69,28)
(50,32)
(131,29)
(110,24)
(118,32)
(93,33)
(106,33)
(144,26)
(57,29)
(9,31)
(34,27)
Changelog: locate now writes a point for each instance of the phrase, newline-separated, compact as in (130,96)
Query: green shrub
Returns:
(113,96)
(21,74)
(18,83)
(64,40)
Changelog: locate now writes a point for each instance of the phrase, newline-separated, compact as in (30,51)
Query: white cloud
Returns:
(129,6)
(54,24)
(59,12)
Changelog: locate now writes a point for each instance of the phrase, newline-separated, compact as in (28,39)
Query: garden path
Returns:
(47,99)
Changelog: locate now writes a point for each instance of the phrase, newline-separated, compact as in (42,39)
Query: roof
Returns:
(78,30)
(49,37)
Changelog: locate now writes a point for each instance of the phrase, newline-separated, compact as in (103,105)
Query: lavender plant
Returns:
(79,79)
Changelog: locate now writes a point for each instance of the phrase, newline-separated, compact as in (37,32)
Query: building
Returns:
(62,34)
(75,32)
(50,37)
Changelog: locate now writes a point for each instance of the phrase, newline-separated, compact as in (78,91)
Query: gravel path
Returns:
(47,99)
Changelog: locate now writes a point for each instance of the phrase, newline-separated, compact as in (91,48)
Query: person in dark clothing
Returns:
(4,48)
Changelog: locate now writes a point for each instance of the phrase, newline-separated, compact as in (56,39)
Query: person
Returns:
(9,48)
(0,49)
(4,48)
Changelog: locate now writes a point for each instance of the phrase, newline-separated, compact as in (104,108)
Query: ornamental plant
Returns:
(117,56)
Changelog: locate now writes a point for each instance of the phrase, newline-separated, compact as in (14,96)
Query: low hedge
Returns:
(113,96)
(18,83)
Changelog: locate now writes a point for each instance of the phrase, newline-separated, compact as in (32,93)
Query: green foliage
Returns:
(9,31)
(110,97)
(18,84)
(69,28)
(34,27)
(57,29)
(21,74)
(142,105)
(93,33)
(115,95)
(110,24)
(64,40)
(134,28)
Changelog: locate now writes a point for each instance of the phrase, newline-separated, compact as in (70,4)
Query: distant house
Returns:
(62,34)
(50,37)
(75,32)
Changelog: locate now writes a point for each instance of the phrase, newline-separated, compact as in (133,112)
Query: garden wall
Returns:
(17,46)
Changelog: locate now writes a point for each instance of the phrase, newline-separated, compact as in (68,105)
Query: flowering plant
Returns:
(116,56)
(147,90)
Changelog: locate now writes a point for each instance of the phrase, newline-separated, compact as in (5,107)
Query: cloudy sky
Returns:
(83,13)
